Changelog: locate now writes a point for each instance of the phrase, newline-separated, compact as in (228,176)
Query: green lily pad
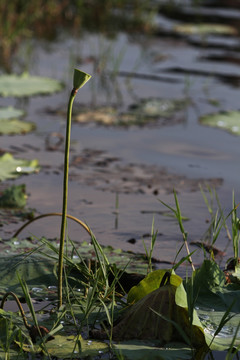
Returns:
(13,197)
(14,126)
(151,282)
(11,168)
(215,297)
(9,124)
(35,270)
(27,85)
(229,121)
(205,29)
(141,350)
(10,113)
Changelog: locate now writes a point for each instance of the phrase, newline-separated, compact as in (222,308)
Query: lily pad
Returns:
(10,113)
(141,350)
(205,29)
(9,124)
(11,168)
(35,270)
(215,297)
(27,85)
(229,121)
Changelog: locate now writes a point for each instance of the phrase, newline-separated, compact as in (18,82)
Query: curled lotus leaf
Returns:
(150,283)
(157,316)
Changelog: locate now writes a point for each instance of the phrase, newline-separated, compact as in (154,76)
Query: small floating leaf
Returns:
(205,29)
(229,121)
(26,85)
(11,168)
(10,112)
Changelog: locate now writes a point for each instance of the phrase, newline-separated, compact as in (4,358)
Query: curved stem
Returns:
(80,222)
(28,327)
(65,195)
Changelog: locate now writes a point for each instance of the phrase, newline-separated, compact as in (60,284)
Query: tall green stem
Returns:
(79,79)
(65,195)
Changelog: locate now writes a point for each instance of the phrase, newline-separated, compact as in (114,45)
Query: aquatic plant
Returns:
(79,80)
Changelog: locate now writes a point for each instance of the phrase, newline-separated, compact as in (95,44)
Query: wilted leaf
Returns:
(11,168)
(27,85)
(158,316)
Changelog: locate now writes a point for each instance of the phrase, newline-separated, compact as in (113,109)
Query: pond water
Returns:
(109,162)
(178,152)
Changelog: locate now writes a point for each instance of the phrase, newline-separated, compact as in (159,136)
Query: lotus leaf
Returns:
(71,347)
(157,316)
(10,113)
(35,270)
(229,121)
(142,350)
(215,297)
(26,85)
(14,126)
(13,197)
(11,168)
(205,29)
(149,284)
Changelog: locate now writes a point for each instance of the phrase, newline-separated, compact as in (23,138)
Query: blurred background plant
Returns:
(24,19)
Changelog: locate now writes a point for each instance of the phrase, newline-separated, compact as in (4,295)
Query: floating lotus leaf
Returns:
(229,121)
(142,350)
(27,85)
(11,168)
(13,197)
(35,270)
(14,126)
(9,124)
(205,29)
(10,113)
(215,297)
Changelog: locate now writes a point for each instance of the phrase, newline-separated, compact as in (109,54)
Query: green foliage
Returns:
(150,283)
(11,168)
(228,121)
(13,197)
(27,85)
